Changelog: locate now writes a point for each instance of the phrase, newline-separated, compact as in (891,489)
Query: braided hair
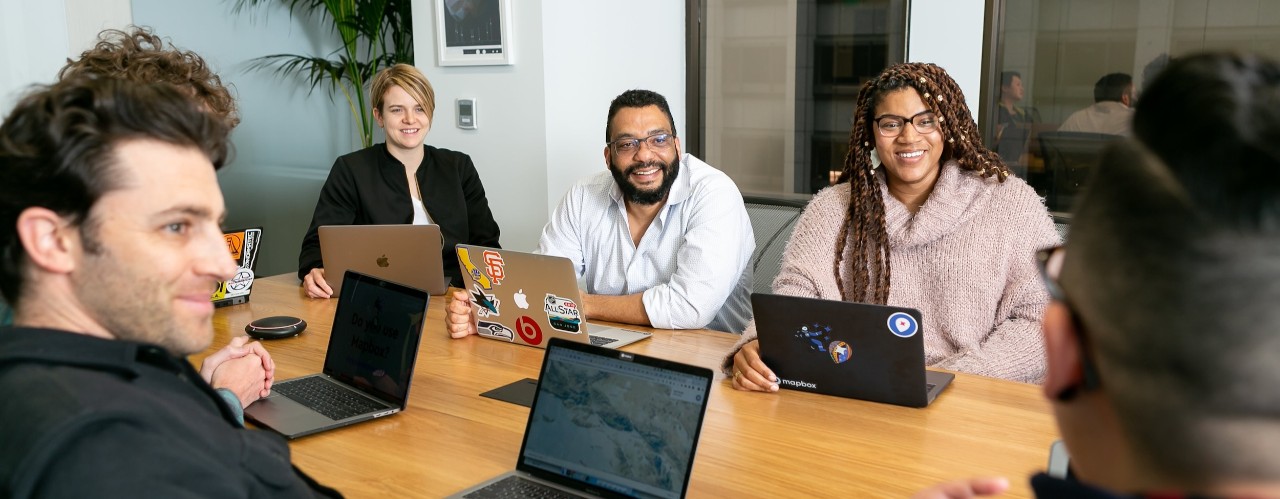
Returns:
(869,256)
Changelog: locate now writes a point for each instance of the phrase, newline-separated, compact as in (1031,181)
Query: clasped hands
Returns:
(243,367)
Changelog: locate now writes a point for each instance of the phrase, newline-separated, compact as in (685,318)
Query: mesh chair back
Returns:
(772,220)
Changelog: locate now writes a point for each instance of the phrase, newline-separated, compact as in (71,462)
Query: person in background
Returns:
(1161,336)
(403,181)
(1014,124)
(110,234)
(1112,109)
(924,217)
(662,239)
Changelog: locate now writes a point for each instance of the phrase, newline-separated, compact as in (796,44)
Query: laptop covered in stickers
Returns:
(243,245)
(847,349)
(527,298)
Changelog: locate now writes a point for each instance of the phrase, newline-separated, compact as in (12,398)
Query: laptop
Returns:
(405,253)
(854,350)
(367,368)
(528,298)
(607,423)
(243,245)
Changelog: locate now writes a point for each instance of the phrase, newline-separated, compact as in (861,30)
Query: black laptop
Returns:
(367,369)
(606,423)
(854,350)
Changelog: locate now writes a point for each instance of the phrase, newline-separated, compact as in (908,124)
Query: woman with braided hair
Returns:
(923,216)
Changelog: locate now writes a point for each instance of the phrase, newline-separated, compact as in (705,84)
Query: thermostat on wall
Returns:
(467,114)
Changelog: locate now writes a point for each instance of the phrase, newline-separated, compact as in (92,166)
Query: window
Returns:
(1067,54)
(773,84)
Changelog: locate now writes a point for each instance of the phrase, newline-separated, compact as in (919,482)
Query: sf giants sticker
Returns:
(562,314)
(493,263)
(529,330)
(903,325)
(495,331)
(486,304)
(464,259)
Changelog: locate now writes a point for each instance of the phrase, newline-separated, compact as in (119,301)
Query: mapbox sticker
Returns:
(495,331)
(529,330)
(562,314)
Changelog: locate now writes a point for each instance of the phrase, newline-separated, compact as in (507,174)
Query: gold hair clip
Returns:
(926,95)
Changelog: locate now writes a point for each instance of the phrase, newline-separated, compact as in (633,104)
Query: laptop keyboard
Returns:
(601,340)
(326,398)
(515,487)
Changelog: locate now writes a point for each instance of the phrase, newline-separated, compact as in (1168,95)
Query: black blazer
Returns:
(369,187)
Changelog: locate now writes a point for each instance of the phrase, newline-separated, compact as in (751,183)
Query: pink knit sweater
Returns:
(966,260)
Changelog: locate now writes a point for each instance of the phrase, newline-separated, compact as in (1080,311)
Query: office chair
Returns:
(1069,158)
(772,220)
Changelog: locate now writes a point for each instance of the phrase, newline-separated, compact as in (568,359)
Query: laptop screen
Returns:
(615,421)
(375,335)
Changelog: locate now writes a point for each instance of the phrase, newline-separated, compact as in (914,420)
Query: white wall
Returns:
(949,33)
(541,120)
(36,38)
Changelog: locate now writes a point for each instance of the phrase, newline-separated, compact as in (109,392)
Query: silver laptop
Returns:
(528,299)
(367,368)
(855,350)
(402,253)
(607,423)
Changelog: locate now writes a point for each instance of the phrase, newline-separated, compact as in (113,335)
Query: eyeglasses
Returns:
(1049,261)
(656,142)
(891,125)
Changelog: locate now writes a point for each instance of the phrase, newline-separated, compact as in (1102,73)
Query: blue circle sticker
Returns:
(903,325)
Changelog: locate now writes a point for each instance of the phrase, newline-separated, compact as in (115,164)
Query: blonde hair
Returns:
(408,78)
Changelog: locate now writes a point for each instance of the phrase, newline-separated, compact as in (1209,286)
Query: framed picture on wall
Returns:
(473,32)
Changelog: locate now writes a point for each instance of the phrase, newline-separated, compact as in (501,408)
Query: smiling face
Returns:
(158,239)
(646,174)
(403,118)
(912,160)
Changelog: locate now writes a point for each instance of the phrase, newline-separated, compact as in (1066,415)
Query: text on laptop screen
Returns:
(373,333)
(599,419)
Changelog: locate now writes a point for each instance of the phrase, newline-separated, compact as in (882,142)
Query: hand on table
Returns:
(749,371)
(315,285)
(963,489)
(240,348)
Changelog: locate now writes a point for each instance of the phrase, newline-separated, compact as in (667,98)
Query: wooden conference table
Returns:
(789,444)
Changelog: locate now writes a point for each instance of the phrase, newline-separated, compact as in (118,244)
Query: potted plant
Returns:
(375,34)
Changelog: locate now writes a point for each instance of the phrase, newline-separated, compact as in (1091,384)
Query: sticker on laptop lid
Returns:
(486,304)
(840,351)
(477,276)
(496,331)
(814,335)
(494,265)
(562,314)
(903,325)
(529,330)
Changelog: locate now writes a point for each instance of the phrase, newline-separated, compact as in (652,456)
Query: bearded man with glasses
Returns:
(663,239)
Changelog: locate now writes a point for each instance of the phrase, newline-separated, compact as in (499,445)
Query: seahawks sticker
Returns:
(496,331)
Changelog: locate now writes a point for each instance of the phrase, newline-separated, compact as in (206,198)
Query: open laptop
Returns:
(367,368)
(528,298)
(243,245)
(405,253)
(854,350)
(607,423)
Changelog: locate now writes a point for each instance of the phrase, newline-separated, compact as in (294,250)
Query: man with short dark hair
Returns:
(110,242)
(1112,108)
(1162,337)
(662,239)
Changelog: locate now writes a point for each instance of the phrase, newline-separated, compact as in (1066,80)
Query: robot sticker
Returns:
(495,331)
(563,314)
(486,304)
(903,325)
(494,265)
(477,276)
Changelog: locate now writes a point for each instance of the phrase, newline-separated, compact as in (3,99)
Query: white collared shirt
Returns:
(692,263)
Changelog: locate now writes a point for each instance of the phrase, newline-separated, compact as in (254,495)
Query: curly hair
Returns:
(869,258)
(142,57)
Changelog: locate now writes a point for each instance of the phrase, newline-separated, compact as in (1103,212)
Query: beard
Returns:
(635,194)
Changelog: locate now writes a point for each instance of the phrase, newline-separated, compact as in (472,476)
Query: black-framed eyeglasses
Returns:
(656,142)
(1049,261)
(891,125)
